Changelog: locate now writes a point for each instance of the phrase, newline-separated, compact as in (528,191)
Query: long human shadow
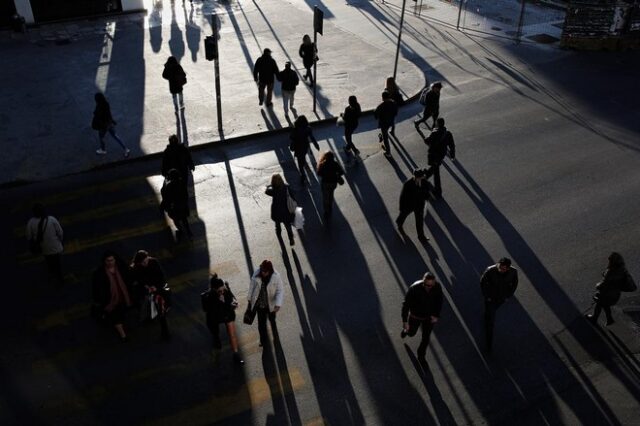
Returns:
(193,32)
(276,372)
(155,30)
(176,40)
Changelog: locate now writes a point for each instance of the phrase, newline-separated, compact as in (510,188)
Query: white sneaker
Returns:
(101,151)
(127,151)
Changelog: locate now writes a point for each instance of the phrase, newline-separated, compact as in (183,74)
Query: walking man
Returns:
(413,198)
(421,307)
(440,141)
(289,79)
(430,99)
(386,113)
(177,156)
(498,283)
(44,234)
(265,72)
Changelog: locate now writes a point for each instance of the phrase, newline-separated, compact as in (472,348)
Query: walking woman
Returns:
(330,173)
(266,293)
(351,115)
(177,78)
(608,290)
(112,291)
(149,275)
(280,205)
(220,305)
(309,54)
(391,87)
(300,137)
(103,122)
(175,201)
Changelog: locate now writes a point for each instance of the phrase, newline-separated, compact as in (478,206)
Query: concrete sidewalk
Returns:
(50,77)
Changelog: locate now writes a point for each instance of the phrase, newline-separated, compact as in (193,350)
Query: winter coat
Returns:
(175,199)
(608,290)
(413,197)
(330,172)
(439,141)
(177,156)
(499,286)
(279,207)
(102,118)
(275,290)
(101,285)
(421,303)
(432,103)
(300,139)
(265,70)
(219,311)
(289,79)
(51,235)
(309,54)
(176,76)
(386,113)
(350,117)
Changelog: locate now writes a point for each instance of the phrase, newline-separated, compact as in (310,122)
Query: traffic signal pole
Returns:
(211,53)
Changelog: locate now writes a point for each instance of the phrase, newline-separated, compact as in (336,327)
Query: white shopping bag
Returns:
(298,219)
(154,308)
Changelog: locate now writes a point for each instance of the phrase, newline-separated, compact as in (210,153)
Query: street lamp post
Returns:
(395,66)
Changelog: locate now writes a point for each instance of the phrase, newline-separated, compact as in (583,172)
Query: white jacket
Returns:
(275,289)
(51,237)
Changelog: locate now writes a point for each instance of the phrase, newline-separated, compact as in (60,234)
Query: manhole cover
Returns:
(543,38)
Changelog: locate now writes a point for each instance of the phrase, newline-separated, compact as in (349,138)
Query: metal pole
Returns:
(520,22)
(395,65)
(315,68)
(216,68)
(459,14)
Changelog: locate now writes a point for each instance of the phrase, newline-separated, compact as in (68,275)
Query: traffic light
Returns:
(210,48)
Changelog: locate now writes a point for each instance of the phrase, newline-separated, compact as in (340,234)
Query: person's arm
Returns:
(452,146)
(484,285)
(57,228)
(514,283)
(405,309)
(255,69)
(313,139)
(279,296)
(166,74)
(30,232)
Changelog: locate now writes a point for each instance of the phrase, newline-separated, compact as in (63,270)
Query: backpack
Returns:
(423,96)
(629,284)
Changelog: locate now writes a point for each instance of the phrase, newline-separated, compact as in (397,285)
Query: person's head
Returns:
(306,39)
(615,260)
(174,140)
(216,284)
(100,99)
(171,60)
(276,180)
(266,52)
(440,123)
(266,268)
(436,86)
(109,259)
(390,84)
(173,175)
(39,211)
(327,157)
(301,122)
(353,101)
(504,264)
(419,175)
(386,96)
(429,280)
(287,65)
(141,258)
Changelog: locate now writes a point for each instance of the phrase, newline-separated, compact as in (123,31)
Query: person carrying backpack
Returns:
(430,100)
(615,279)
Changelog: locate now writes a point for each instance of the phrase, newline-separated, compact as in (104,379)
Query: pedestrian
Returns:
(266,293)
(498,283)
(413,198)
(45,237)
(430,100)
(153,287)
(282,205)
(385,113)
(300,137)
(175,201)
(289,80)
(351,116)
(421,307)
(614,280)
(177,78)
(391,87)
(220,305)
(440,142)
(112,283)
(177,156)
(103,122)
(309,54)
(330,173)
(265,72)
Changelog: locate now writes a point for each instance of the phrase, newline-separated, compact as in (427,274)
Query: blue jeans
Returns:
(112,132)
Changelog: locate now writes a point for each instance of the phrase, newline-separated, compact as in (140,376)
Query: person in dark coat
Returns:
(421,307)
(330,173)
(608,290)
(103,122)
(351,116)
(440,141)
(282,210)
(265,71)
(175,201)
(386,113)
(300,137)
(177,78)
(498,283)
(220,305)
(431,105)
(309,54)
(392,88)
(413,198)
(177,156)
(111,285)
(151,281)
(289,80)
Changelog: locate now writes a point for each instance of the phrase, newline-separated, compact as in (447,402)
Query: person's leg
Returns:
(274,328)
(419,214)
(101,135)
(402,217)
(349,148)
(489,320)
(414,324)
(424,342)
(214,329)
(327,200)
(181,100)
(269,93)
(262,325)
(437,185)
(302,162)
(112,132)
(261,87)
(186,227)
(233,339)
(425,114)
(287,226)
(176,106)
(607,314)
(292,95)
(285,101)
(385,139)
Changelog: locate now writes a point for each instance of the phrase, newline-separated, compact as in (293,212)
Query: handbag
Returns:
(291,203)
(340,121)
(249,315)
(298,218)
